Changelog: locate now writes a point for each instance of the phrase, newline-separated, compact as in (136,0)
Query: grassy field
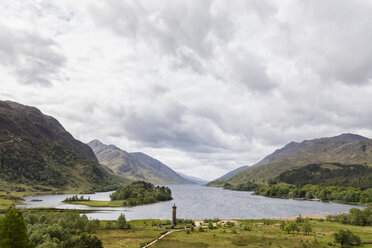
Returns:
(142,232)
(5,204)
(99,203)
(247,233)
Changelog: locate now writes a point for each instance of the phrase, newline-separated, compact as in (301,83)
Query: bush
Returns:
(121,222)
(306,228)
(84,241)
(291,227)
(108,225)
(210,225)
(347,238)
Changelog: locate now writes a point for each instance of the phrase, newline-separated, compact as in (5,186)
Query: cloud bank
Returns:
(204,86)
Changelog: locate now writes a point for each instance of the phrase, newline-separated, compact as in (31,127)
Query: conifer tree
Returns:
(13,231)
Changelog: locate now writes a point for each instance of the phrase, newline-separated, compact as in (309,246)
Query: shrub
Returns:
(291,227)
(210,225)
(121,222)
(306,228)
(347,238)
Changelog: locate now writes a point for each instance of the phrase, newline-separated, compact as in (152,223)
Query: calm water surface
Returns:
(199,202)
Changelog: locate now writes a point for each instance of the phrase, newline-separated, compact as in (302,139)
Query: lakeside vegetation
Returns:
(324,182)
(314,192)
(355,216)
(76,198)
(136,193)
(112,204)
(60,229)
(141,192)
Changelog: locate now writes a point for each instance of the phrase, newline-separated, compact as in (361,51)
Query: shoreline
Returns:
(310,216)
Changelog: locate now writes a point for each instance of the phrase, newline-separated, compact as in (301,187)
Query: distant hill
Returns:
(232,173)
(192,179)
(286,150)
(38,154)
(135,166)
(344,149)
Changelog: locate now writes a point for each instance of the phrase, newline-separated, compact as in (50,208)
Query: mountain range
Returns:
(135,166)
(192,179)
(343,149)
(37,154)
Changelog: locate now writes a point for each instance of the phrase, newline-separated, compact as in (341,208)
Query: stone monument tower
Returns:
(174,220)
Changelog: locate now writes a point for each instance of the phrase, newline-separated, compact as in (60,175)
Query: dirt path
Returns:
(162,236)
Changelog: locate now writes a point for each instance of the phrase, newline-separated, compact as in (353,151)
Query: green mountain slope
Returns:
(38,154)
(335,174)
(344,149)
(167,173)
(135,166)
(286,150)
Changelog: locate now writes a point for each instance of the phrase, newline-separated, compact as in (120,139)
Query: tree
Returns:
(210,225)
(121,222)
(291,227)
(346,238)
(299,219)
(13,231)
(83,241)
(306,228)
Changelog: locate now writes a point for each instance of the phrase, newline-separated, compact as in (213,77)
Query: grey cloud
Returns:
(208,85)
(331,38)
(171,25)
(32,58)
(247,70)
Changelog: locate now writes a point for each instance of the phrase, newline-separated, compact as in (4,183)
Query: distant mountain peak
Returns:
(95,142)
(134,166)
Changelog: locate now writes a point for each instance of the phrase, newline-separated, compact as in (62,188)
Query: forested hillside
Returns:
(38,154)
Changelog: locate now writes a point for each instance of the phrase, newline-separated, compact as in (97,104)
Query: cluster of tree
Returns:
(185,221)
(323,193)
(346,238)
(48,164)
(248,186)
(301,224)
(32,229)
(332,174)
(61,229)
(354,217)
(141,192)
(24,163)
(215,220)
(76,198)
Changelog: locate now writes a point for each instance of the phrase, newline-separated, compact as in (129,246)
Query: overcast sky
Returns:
(204,86)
